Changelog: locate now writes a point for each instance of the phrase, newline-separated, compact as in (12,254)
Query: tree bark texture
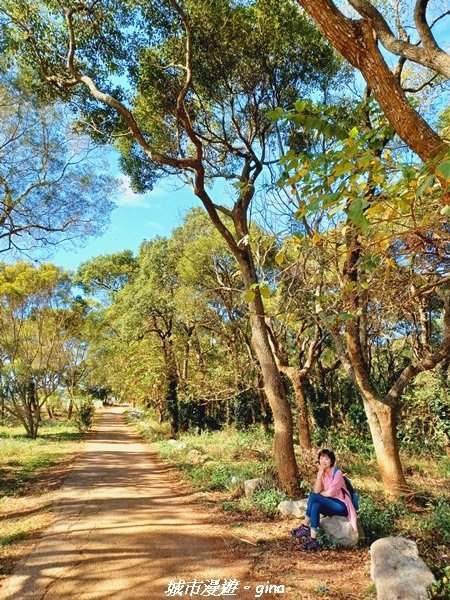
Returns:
(382,421)
(303,428)
(355,40)
(381,418)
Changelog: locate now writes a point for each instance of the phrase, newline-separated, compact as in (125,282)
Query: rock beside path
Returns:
(398,571)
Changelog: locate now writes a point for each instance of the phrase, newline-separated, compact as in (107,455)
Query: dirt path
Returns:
(123,530)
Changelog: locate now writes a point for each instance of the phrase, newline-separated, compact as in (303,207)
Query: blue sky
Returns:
(137,217)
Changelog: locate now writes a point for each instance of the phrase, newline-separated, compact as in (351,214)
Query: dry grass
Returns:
(31,473)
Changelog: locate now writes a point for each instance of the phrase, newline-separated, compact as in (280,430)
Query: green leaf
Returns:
(265,290)
(426,183)
(445,210)
(353,132)
(356,214)
(279,257)
(276,114)
(249,296)
(444,169)
(409,173)
(301,211)
(300,105)
(328,357)
(343,168)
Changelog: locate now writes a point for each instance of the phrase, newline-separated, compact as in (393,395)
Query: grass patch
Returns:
(27,468)
(22,459)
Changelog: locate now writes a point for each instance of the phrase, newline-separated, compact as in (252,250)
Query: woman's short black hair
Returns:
(329,453)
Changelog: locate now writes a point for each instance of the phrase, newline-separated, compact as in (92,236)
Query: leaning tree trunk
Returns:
(356,41)
(381,416)
(273,386)
(382,419)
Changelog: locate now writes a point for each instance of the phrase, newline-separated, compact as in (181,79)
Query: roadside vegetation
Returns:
(216,463)
(31,470)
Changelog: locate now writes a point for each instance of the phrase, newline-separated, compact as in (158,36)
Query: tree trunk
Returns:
(172,404)
(355,40)
(273,386)
(383,428)
(304,432)
(49,411)
(2,405)
(70,408)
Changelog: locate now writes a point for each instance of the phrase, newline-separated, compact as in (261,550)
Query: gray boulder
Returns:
(339,531)
(293,508)
(398,571)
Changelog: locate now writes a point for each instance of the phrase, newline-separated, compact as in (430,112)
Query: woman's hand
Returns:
(318,485)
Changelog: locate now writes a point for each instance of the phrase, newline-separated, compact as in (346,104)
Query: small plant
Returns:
(325,541)
(438,522)
(440,590)
(84,417)
(378,519)
(267,501)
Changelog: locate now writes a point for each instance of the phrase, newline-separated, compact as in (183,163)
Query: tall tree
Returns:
(201,77)
(384,239)
(34,303)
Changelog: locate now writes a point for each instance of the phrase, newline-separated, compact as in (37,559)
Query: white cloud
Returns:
(128,198)
(155,225)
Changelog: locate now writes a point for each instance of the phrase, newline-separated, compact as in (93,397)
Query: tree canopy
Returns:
(52,187)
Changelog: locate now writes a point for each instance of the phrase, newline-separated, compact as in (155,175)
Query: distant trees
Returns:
(51,185)
(206,92)
(40,339)
(177,330)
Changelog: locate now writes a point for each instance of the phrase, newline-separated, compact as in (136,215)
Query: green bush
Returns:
(267,501)
(378,519)
(84,417)
(440,590)
(425,416)
(438,521)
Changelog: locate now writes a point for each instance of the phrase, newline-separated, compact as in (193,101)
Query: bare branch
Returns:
(422,26)
(430,55)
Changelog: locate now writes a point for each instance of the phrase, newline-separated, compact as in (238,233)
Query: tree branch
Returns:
(430,55)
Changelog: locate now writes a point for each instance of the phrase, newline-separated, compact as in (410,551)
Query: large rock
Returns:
(293,508)
(339,530)
(398,571)
(251,485)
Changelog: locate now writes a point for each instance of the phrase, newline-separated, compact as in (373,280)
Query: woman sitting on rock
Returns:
(330,498)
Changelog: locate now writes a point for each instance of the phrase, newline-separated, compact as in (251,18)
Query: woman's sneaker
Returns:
(302,531)
(310,546)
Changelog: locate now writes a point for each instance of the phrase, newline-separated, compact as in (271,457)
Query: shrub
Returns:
(425,417)
(440,590)
(438,522)
(267,501)
(379,519)
(84,416)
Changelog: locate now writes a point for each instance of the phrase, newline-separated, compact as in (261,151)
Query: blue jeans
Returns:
(321,505)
